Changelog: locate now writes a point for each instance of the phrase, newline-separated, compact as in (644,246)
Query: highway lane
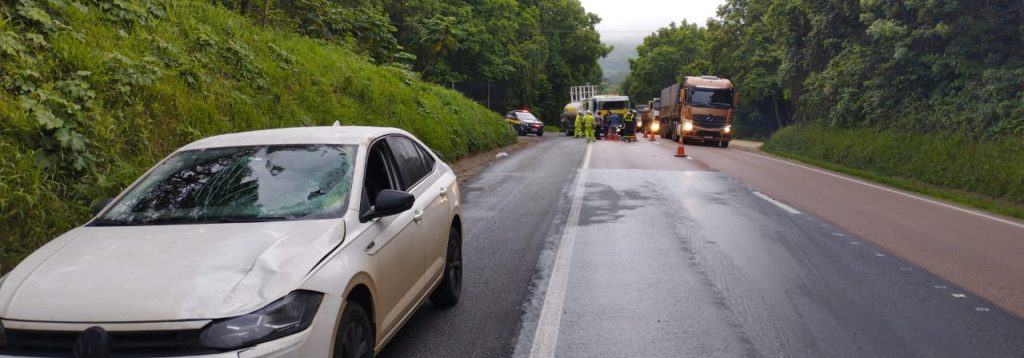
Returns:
(512,209)
(671,257)
(982,252)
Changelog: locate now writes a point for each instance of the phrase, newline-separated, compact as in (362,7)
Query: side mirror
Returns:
(102,204)
(389,202)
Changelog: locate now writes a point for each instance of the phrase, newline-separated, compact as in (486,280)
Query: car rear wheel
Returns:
(447,293)
(724,144)
(540,134)
(355,338)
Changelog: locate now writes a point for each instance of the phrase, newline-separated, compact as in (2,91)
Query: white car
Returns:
(299,242)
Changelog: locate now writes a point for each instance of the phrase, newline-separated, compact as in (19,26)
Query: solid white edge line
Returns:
(545,339)
(776,203)
(894,191)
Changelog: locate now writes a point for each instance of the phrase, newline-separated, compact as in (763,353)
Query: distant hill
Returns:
(616,65)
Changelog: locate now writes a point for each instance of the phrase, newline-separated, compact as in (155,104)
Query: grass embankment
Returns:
(986,174)
(95,92)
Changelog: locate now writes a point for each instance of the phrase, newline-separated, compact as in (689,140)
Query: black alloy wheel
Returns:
(355,338)
(448,291)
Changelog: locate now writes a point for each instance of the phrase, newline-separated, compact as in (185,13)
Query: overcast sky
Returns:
(636,19)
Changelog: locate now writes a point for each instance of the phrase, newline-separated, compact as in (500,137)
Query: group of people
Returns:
(588,125)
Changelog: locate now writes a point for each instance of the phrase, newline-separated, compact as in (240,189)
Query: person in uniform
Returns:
(588,126)
(629,126)
(578,128)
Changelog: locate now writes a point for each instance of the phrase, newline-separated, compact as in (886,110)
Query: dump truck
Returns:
(699,109)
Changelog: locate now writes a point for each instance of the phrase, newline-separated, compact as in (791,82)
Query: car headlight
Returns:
(655,126)
(728,129)
(687,126)
(291,314)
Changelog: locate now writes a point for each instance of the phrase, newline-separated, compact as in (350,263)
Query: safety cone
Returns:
(680,151)
(651,136)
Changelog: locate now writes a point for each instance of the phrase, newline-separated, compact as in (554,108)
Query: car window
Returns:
(251,183)
(526,116)
(380,174)
(411,165)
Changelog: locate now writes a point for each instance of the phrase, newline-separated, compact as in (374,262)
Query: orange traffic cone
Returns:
(651,135)
(680,151)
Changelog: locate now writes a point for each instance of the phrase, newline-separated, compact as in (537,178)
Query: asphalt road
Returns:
(622,250)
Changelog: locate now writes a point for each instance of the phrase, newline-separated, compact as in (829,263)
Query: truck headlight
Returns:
(728,129)
(688,126)
(289,315)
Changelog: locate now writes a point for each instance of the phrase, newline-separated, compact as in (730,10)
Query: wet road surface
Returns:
(621,250)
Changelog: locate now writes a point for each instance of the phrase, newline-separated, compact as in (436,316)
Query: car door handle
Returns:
(417,216)
(444,192)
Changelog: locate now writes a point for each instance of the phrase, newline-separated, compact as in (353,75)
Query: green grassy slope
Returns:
(988,174)
(94,92)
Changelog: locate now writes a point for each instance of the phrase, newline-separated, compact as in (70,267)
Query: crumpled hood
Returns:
(165,272)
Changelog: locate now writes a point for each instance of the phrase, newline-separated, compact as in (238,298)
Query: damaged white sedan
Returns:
(299,242)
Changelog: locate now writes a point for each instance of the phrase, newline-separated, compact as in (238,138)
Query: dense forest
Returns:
(536,49)
(918,65)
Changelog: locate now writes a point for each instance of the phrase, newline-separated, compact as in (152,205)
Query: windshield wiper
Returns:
(242,219)
(108,222)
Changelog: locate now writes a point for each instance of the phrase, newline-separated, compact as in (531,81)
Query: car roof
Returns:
(353,135)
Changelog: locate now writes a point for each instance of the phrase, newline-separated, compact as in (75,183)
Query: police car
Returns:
(525,122)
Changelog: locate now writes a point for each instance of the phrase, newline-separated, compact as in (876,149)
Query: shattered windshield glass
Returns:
(241,184)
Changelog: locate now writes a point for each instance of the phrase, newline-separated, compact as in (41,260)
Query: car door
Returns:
(432,202)
(397,244)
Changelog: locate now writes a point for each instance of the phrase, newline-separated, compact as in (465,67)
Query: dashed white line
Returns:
(959,295)
(545,339)
(785,207)
(894,191)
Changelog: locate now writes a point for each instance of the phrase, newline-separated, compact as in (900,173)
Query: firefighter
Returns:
(588,126)
(629,127)
(578,128)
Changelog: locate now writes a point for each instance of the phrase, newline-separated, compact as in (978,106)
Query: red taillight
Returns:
(536,126)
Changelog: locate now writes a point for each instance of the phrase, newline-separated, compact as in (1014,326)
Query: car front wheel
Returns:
(355,338)
(447,293)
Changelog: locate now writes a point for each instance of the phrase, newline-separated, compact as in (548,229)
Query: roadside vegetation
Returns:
(987,175)
(922,90)
(534,50)
(94,92)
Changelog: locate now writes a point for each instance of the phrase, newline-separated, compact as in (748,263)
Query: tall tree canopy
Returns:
(536,48)
(919,64)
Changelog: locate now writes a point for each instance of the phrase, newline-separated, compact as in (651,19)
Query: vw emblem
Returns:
(94,342)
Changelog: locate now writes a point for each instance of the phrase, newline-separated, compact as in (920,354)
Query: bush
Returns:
(94,92)
(992,167)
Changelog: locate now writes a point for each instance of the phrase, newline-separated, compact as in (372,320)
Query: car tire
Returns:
(724,144)
(540,134)
(355,334)
(448,291)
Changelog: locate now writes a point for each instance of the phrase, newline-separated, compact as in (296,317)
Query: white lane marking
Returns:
(785,207)
(545,339)
(879,255)
(940,287)
(959,295)
(981,309)
(894,191)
